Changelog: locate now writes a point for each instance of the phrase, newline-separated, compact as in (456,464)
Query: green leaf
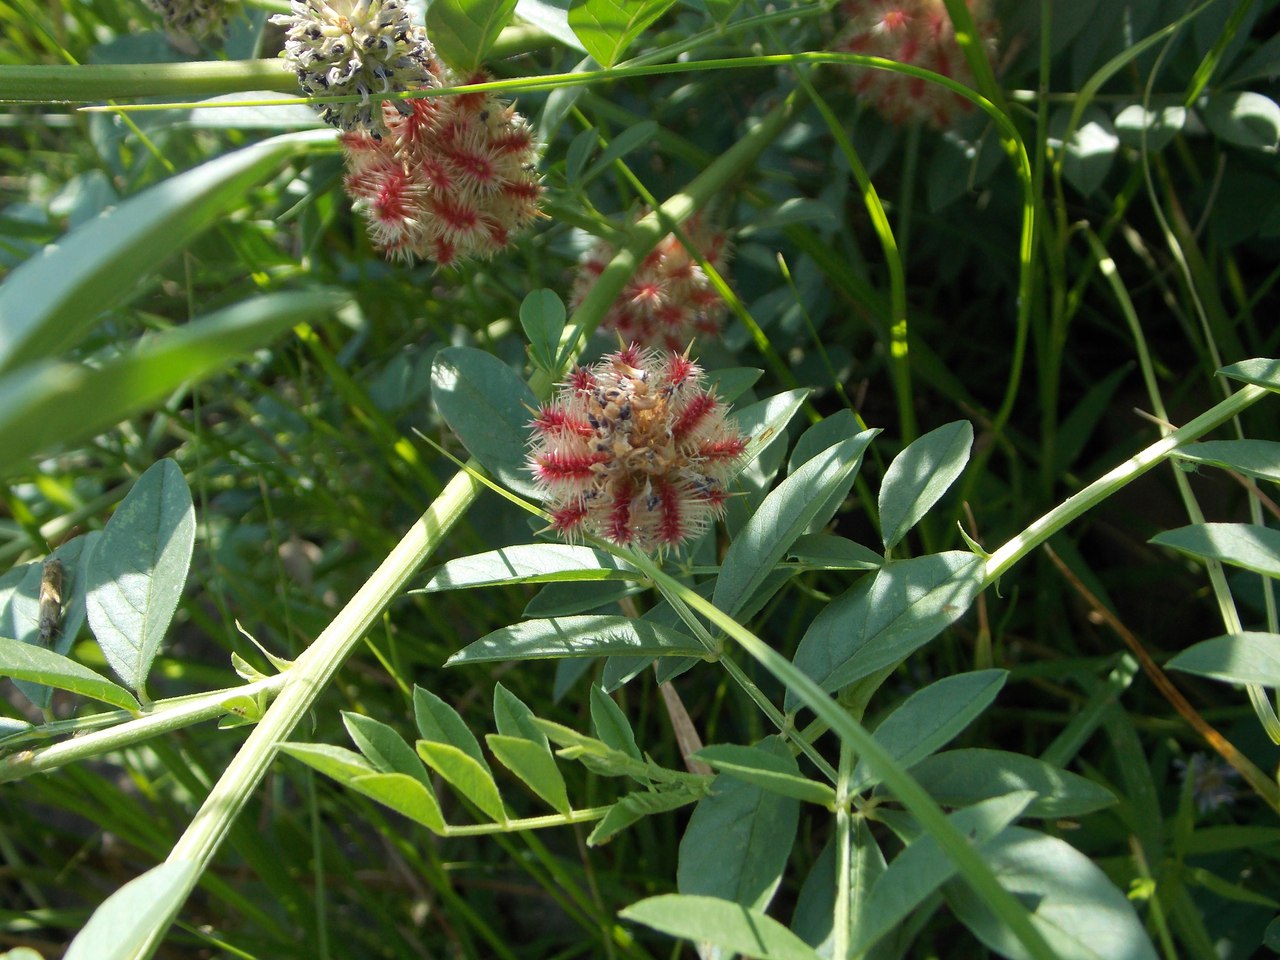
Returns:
(440,723)
(823,435)
(463,31)
(513,717)
(1245,657)
(1157,125)
(826,551)
(464,774)
(922,867)
(56,402)
(607,27)
(585,636)
(930,718)
(338,763)
(50,302)
(534,764)
(636,806)
(124,922)
(731,926)
(25,661)
(739,838)
(529,563)
(1073,904)
(763,422)
(611,725)
(886,616)
(638,135)
(404,794)
(784,515)
(959,778)
(767,770)
(20,616)
(604,760)
(489,408)
(814,916)
(1247,545)
(1091,149)
(542,317)
(385,748)
(729,383)
(919,476)
(137,572)
(1244,118)
(571,598)
(1252,458)
(552,18)
(1259,372)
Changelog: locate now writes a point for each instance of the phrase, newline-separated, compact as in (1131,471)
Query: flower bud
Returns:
(635,450)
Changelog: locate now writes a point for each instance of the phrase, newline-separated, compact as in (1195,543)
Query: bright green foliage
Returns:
(866,712)
(137,571)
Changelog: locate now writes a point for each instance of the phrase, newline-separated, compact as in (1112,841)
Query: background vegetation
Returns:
(237,323)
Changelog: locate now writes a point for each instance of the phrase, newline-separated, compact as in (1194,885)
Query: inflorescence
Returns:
(669,300)
(635,450)
(919,33)
(355,47)
(454,178)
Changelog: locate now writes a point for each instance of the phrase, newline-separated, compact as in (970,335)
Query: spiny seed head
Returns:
(197,19)
(916,32)
(350,47)
(669,300)
(636,450)
(452,178)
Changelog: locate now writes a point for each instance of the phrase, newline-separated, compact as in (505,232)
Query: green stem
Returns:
(1076,505)
(305,681)
(585,815)
(92,83)
(962,853)
(162,719)
(318,664)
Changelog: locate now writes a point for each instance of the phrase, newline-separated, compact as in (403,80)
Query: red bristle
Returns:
(671,527)
(728,448)
(568,519)
(692,415)
(563,466)
(619,528)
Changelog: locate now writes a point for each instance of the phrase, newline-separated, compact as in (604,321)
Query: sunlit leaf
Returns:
(919,476)
(584,636)
(1246,657)
(462,31)
(729,925)
(125,921)
(138,570)
(607,27)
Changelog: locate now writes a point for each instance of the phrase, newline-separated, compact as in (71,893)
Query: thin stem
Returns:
(585,815)
(1078,504)
(161,719)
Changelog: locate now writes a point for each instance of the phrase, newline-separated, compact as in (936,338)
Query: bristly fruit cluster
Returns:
(455,178)
(355,47)
(919,33)
(635,450)
(669,300)
(197,19)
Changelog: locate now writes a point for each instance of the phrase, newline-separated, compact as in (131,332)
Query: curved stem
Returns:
(1102,488)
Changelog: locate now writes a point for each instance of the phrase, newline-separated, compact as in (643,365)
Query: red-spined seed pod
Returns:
(915,32)
(670,300)
(465,166)
(635,450)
